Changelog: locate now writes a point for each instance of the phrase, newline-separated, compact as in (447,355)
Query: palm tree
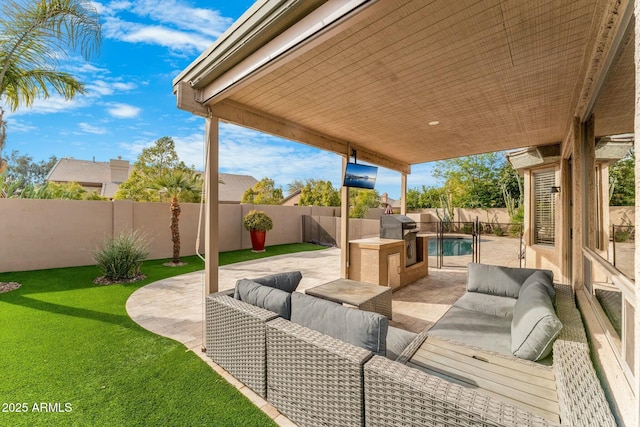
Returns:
(177,184)
(34,36)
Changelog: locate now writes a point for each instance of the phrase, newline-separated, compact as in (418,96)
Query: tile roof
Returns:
(87,173)
(233,186)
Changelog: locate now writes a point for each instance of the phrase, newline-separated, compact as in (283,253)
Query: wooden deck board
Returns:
(529,386)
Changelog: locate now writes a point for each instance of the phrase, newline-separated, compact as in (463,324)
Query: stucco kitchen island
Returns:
(384,261)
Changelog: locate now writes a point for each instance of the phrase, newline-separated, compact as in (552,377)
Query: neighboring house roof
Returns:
(107,176)
(292,199)
(386,200)
(104,175)
(233,187)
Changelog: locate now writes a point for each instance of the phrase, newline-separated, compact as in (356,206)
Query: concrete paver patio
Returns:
(174,307)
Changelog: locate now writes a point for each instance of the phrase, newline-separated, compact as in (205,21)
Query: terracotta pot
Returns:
(257,240)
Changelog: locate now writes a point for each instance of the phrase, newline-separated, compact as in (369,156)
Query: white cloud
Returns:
(89,128)
(105,88)
(175,25)
(205,21)
(154,34)
(247,152)
(123,111)
(54,104)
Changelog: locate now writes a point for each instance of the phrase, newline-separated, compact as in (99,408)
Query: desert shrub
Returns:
(515,230)
(121,256)
(467,228)
(621,236)
(498,231)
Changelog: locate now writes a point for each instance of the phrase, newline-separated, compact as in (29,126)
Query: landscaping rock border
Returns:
(102,280)
(9,286)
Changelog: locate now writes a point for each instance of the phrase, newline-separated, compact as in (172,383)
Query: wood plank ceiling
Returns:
(495,74)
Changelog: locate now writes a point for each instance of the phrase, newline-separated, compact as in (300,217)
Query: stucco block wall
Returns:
(39,234)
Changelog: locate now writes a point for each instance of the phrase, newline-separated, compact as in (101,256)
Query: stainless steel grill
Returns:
(401,227)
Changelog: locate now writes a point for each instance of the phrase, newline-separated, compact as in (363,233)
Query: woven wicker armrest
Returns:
(236,339)
(313,378)
(580,395)
(396,394)
(227,293)
(413,347)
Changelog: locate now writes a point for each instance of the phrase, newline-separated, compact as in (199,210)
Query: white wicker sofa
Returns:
(318,379)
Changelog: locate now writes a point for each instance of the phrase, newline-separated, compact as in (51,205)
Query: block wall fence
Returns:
(39,234)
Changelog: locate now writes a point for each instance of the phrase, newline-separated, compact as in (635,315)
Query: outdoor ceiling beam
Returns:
(235,113)
(328,20)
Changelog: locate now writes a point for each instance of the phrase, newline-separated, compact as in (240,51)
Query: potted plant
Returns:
(258,223)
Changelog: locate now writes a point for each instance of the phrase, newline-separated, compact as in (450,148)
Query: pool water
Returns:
(452,246)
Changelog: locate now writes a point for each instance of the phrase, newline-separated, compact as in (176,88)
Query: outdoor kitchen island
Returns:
(384,261)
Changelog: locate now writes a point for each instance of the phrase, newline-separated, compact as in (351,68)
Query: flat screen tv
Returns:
(360,176)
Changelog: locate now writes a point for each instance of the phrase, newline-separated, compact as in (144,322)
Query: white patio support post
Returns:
(344,226)
(636,343)
(211,246)
(403,194)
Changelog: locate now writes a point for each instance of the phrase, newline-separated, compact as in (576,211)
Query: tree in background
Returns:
(151,165)
(35,36)
(176,184)
(48,190)
(263,193)
(22,168)
(425,197)
(296,185)
(361,200)
(319,193)
(472,180)
(622,189)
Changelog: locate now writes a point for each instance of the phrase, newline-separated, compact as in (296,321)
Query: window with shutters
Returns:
(544,208)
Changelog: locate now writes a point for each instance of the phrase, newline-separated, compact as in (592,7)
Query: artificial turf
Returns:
(70,355)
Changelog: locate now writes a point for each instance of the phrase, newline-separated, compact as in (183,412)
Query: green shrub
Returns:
(621,236)
(515,230)
(257,220)
(497,230)
(120,257)
(467,228)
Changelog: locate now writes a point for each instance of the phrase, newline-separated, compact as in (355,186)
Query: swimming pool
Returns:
(452,246)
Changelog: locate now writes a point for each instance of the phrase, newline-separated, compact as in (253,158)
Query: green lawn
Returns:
(70,355)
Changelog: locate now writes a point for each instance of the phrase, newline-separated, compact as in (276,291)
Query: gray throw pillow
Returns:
(535,325)
(361,328)
(540,277)
(287,281)
(271,299)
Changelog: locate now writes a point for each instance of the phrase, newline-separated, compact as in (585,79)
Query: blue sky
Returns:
(129,103)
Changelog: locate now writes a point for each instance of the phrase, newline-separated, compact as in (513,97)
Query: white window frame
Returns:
(543,209)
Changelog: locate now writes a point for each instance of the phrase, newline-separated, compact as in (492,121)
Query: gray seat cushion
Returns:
(397,341)
(271,299)
(497,280)
(361,328)
(287,281)
(535,325)
(475,328)
(485,303)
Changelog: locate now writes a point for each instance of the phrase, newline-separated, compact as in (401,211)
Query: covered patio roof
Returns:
(378,75)
(411,81)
